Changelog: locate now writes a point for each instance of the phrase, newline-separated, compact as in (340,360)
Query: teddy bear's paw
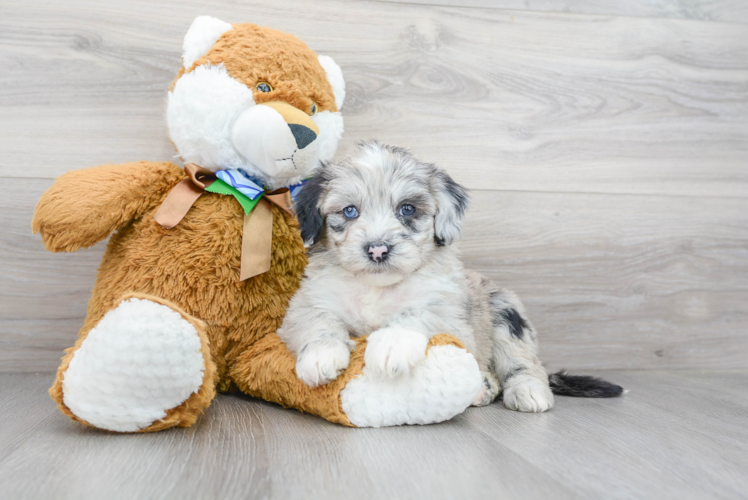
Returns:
(142,359)
(528,394)
(439,387)
(393,351)
(321,361)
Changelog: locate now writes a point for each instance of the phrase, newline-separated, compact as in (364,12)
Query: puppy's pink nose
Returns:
(378,251)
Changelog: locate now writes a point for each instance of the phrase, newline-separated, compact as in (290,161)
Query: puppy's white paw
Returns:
(528,394)
(321,361)
(490,389)
(393,351)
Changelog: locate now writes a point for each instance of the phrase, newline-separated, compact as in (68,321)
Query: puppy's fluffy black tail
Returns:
(582,386)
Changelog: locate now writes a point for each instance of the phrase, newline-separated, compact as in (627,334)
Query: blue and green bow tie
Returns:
(243,187)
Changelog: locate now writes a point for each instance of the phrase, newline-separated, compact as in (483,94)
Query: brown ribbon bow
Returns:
(257,233)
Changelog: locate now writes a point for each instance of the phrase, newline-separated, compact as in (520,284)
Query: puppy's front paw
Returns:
(321,361)
(528,394)
(394,351)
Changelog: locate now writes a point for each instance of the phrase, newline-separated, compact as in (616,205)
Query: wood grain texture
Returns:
(609,281)
(510,100)
(675,435)
(607,153)
(620,281)
(726,11)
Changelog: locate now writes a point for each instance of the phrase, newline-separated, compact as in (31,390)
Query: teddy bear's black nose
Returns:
(303,135)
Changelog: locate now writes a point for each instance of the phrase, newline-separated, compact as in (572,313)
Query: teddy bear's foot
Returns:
(438,388)
(144,366)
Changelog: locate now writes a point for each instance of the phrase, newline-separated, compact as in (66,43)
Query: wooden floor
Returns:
(676,434)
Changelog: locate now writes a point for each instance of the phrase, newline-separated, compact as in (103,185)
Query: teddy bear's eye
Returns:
(264,87)
(313,111)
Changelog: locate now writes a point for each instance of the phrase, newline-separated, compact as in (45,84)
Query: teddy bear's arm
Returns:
(85,206)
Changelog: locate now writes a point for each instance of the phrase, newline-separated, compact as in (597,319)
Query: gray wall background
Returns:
(605,144)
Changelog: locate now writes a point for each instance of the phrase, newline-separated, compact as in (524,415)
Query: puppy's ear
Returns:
(451,202)
(306,206)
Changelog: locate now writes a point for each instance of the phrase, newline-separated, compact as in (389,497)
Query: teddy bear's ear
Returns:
(335,77)
(202,35)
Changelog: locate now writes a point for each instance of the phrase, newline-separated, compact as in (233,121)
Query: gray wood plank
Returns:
(24,409)
(727,11)
(244,448)
(30,345)
(683,441)
(609,281)
(510,100)
(653,106)
(620,281)
(70,275)
(674,435)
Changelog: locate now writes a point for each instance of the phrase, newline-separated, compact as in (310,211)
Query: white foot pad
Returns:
(141,359)
(438,388)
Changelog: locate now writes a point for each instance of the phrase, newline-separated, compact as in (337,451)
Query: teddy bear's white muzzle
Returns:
(277,138)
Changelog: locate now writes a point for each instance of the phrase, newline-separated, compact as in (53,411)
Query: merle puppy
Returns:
(381,226)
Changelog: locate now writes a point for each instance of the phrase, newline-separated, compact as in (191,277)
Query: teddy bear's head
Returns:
(256,99)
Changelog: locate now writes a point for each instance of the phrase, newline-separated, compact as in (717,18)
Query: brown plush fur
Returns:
(183,415)
(276,57)
(263,371)
(194,267)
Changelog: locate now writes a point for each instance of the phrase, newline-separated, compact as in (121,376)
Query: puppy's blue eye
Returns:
(264,87)
(350,212)
(407,210)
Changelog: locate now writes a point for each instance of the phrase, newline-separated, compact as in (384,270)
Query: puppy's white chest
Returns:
(374,308)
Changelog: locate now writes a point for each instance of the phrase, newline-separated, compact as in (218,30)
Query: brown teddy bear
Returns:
(203,260)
